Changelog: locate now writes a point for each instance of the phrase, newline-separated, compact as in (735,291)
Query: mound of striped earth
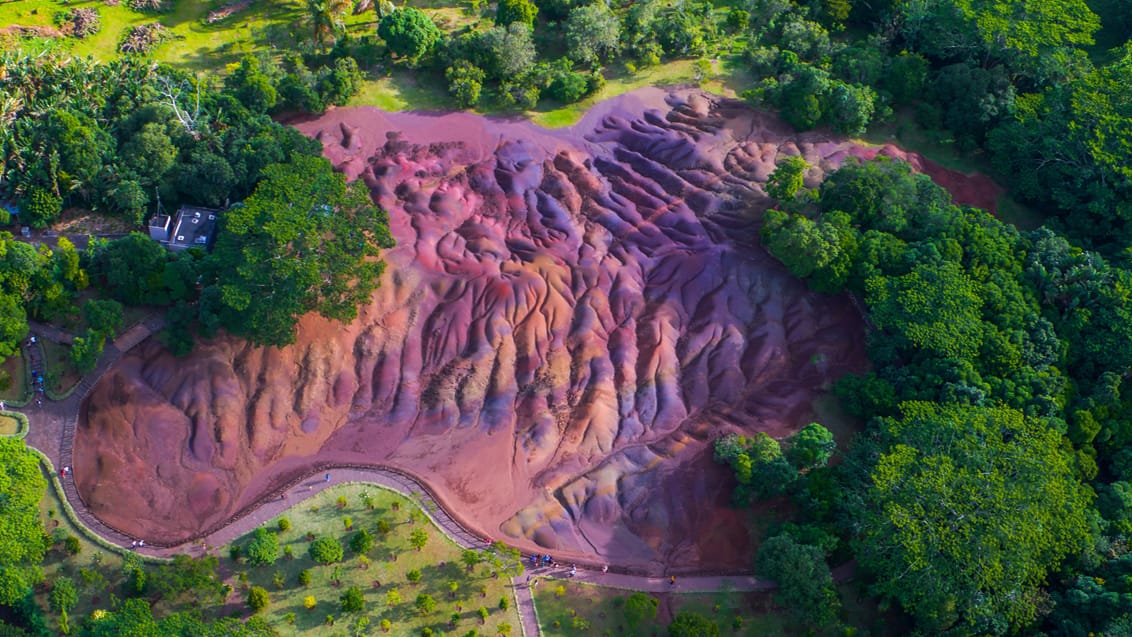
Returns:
(569,320)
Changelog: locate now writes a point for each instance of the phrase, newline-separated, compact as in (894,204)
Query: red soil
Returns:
(569,320)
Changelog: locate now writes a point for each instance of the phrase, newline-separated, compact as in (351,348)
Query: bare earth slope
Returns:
(568,321)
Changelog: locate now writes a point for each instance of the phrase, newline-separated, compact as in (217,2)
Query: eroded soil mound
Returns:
(568,321)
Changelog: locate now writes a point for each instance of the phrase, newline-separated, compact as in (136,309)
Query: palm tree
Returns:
(327,19)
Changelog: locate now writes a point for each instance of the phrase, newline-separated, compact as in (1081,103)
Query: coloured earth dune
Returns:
(569,320)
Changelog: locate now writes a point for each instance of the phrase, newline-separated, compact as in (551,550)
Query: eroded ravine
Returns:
(568,321)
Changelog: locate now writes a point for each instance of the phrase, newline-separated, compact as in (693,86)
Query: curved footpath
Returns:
(53,430)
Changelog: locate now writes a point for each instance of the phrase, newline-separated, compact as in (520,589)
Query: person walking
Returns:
(327,478)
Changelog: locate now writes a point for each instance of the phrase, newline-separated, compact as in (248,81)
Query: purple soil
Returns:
(568,321)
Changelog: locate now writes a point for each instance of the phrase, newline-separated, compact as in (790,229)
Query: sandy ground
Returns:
(569,320)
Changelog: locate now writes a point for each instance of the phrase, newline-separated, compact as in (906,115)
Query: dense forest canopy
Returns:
(991,490)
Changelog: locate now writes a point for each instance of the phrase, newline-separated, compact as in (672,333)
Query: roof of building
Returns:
(194,227)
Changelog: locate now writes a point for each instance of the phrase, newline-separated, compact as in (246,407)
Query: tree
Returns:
(40,207)
(263,548)
(361,541)
(337,84)
(13,324)
(130,269)
(639,608)
(510,11)
(352,601)
(805,584)
(689,624)
(935,308)
(418,539)
(409,33)
(327,20)
(414,575)
(968,509)
(393,597)
(104,316)
(505,53)
(63,597)
(592,33)
(811,447)
(326,550)
(470,558)
(465,81)
(787,180)
(304,241)
(759,465)
(425,604)
(257,598)
(148,154)
(309,602)
(86,349)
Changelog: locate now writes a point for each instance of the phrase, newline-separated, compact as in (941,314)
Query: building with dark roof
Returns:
(190,227)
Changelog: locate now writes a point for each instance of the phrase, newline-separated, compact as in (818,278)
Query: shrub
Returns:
(425,603)
(418,539)
(257,598)
(309,602)
(348,522)
(352,601)
(393,597)
(72,545)
(290,619)
(503,604)
(305,577)
(361,542)
(386,625)
(414,576)
(284,525)
(341,502)
(63,595)
(263,548)
(279,579)
(482,612)
(326,550)
(384,527)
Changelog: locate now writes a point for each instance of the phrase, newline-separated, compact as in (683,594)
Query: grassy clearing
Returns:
(98,573)
(390,561)
(904,132)
(570,608)
(60,376)
(95,571)
(18,389)
(9,425)
(567,609)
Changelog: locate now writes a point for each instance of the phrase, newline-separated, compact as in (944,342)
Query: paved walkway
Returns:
(53,429)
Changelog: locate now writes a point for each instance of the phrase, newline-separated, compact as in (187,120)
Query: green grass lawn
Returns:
(391,559)
(18,389)
(567,609)
(60,375)
(9,426)
(99,573)
(570,608)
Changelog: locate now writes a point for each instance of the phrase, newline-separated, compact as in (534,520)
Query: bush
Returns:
(309,602)
(284,525)
(413,576)
(40,208)
(361,542)
(263,548)
(72,545)
(352,601)
(568,87)
(257,598)
(465,82)
(326,550)
(425,603)
(305,577)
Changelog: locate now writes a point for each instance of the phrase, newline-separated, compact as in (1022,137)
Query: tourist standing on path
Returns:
(328,477)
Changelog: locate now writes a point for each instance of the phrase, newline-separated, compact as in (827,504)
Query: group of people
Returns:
(547,560)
